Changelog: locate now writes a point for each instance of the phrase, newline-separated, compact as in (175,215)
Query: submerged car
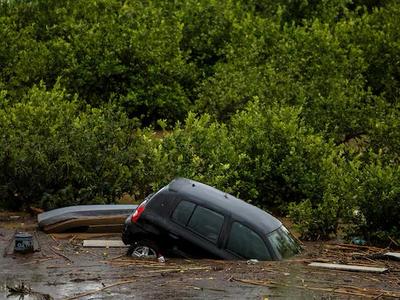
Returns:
(191,219)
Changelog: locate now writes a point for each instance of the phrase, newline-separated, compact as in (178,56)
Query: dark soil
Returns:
(63,269)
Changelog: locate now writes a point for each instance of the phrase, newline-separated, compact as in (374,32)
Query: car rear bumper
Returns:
(131,231)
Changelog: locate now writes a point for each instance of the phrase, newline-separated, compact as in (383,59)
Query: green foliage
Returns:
(285,156)
(105,51)
(56,153)
(266,157)
(201,150)
(376,200)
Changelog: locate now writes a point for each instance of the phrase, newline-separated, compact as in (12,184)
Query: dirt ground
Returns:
(63,269)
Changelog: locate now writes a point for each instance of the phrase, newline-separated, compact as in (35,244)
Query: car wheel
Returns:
(143,249)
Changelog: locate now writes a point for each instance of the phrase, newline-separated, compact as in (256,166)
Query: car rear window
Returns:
(207,223)
(248,244)
(182,212)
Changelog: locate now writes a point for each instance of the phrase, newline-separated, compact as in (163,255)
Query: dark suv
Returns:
(191,219)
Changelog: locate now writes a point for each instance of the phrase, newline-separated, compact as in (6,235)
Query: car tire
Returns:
(143,249)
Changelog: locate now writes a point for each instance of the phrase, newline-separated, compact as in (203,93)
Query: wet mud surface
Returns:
(63,269)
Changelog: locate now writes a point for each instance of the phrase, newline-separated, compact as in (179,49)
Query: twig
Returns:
(393,241)
(116,257)
(37,261)
(356,246)
(71,239)
(62,255)
(54,239)
(380,295)
(99,290)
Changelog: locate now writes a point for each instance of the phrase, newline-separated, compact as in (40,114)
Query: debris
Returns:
(116,257)
(104,243)
(82,211)
(393,255)
(94,224)
(35,211)
(358,241)
(21,290)
(54,239)
(161,259)
(80,236)
(353,268)
(23,242)
(71,239)
(346,290)
(393,241)
(350,247)
(37,261)
(252,261)
(60,254)
(100,289)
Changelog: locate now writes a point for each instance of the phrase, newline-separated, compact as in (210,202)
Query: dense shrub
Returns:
(55,152)
(376,199)
(265,156)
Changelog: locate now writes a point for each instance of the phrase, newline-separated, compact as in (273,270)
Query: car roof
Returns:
(237,208)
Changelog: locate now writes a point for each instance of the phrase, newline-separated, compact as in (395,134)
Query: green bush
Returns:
(322,219)
(56,153)
(285,156)
(377,202)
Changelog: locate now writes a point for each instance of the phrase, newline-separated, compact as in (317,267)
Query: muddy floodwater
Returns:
(64,269)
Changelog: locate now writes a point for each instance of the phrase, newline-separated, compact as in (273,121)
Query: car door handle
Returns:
(174,236)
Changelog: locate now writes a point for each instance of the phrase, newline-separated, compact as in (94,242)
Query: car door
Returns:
(197,229)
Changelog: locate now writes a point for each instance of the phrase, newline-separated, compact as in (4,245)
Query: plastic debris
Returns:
(252,261)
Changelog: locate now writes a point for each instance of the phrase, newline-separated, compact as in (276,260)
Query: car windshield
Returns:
(283,243)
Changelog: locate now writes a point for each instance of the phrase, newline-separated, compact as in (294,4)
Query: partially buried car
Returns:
(191,219)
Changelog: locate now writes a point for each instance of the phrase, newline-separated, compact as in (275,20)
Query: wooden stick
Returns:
(116,257)
(356,246)
(55,240)
(354,268)
(60,254)
(71,239)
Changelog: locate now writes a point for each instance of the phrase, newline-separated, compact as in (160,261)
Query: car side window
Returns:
(207,223)
(248,244)
(182,212)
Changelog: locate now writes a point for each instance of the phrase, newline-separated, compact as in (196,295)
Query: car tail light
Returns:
(138,212)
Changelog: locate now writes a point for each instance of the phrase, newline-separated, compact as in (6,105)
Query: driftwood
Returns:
(392,255)
(352,268)
(104,243)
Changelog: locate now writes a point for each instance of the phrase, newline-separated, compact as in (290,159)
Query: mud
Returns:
(64,269)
